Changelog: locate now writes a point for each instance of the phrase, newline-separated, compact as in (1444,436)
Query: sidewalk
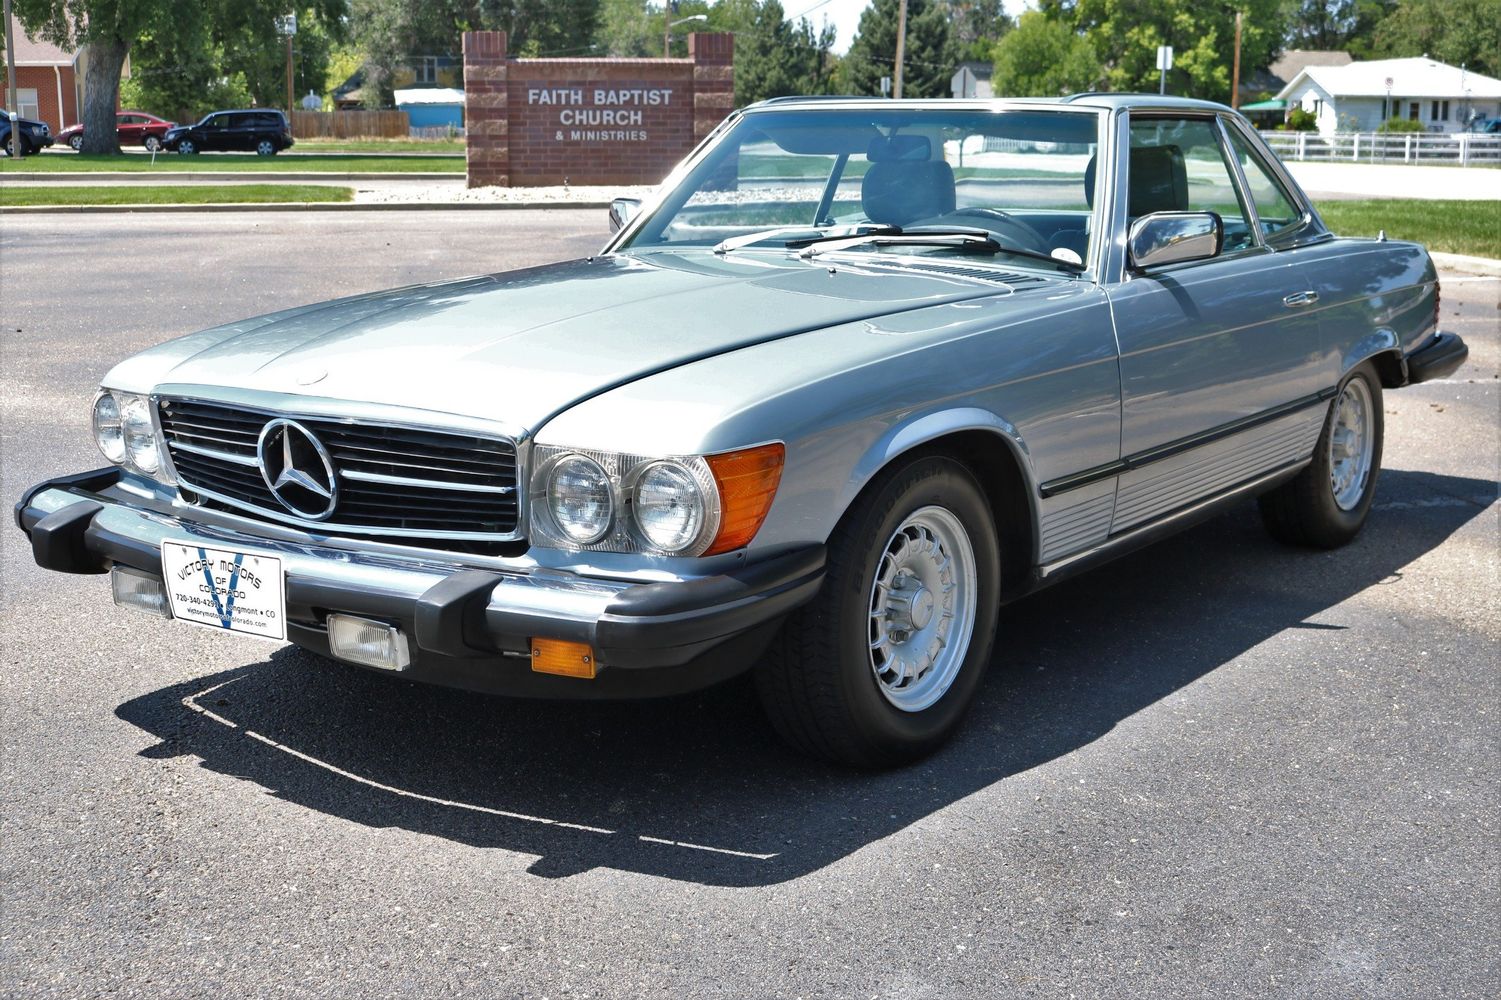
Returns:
(1395,180)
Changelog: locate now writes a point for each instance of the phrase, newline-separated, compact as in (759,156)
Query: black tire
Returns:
(76,142)
(152,143)
(265,147)
(186,147)
(819,684)
(1305,511)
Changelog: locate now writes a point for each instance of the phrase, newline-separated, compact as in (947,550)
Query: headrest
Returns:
(898,192)
(1158,181)
(1089,180)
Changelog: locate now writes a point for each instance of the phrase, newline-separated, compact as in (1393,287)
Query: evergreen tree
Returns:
(929,61)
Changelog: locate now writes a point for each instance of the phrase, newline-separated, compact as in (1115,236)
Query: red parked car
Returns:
(135,128)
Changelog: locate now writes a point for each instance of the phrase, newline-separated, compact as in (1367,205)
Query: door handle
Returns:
(1300,299)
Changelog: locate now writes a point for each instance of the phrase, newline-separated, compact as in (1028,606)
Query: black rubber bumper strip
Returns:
(1440,357)
(692,615)
(58,539)
(92,481)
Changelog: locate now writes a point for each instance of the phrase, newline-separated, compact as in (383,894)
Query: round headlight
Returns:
(140,436)
(107,431)
(580,498)
(669,506)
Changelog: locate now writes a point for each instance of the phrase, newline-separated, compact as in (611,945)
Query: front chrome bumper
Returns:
(470,627)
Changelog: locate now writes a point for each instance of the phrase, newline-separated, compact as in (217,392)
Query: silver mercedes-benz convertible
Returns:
(859,373)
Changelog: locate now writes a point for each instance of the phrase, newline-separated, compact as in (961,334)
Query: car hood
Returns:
(521,346)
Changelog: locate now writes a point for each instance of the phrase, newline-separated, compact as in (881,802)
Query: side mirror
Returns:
(622,211)
(1172,237)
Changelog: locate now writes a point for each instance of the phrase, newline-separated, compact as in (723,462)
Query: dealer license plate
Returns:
(226,590)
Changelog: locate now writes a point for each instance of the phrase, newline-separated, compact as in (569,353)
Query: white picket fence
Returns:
(1463,148)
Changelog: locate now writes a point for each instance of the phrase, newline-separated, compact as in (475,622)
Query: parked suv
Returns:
(266,132)
(34,135)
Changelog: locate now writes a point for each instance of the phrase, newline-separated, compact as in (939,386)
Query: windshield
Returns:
(1023,176)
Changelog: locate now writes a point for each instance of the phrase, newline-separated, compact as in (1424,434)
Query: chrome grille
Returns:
(392,479)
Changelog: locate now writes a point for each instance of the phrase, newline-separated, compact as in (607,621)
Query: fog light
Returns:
(371,644)
(138,590)
(570,659)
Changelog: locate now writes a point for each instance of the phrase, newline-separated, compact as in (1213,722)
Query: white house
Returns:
(1360,96)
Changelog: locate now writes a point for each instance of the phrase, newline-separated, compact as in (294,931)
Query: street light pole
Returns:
(10,84)
(901,49)
(667,30)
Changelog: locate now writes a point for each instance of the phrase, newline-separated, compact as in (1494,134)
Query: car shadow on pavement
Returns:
(698,789)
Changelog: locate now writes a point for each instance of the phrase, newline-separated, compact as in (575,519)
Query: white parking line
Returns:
(191,701)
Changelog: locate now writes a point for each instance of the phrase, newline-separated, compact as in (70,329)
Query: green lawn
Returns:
(1467,227)
(233,163)
(379,146)
(171,194)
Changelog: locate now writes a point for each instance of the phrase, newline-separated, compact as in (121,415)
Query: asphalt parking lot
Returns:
(1216,767)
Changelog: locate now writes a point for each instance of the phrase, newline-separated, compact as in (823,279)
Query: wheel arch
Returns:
(1383,350)
(994,451)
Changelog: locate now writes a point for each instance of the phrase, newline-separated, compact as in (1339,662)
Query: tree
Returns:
(929,61)
(776,58)
(1125,35)
(109,28)
(1332,25)
(1458,32)
(975,26)
(1043,58)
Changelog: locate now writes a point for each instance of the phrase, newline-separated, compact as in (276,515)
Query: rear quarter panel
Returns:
(1374,296)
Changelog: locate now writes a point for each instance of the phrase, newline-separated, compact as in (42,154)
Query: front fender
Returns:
(926,428)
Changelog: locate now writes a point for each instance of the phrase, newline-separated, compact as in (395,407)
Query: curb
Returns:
(304,206)
(76,177)
(1464,264)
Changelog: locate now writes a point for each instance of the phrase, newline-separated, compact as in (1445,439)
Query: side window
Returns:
(269,121)
(1274,206)
(1178,165)
(216,122)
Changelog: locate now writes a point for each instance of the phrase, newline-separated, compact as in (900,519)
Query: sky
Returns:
(844,15)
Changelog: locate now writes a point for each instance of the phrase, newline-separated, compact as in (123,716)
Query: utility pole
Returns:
(1235,75)
(290,105)
(901,48)
(10,84)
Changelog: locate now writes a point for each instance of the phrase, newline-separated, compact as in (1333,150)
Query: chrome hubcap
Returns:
(922,609)
(1351,445)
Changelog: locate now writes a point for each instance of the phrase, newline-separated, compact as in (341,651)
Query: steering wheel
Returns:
(1003,224)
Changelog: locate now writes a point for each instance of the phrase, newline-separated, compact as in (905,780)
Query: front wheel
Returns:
(152,143)
(1326,505)
(880,668)
(186,147)
(76,141)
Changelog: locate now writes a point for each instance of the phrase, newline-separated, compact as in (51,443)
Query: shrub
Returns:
(1300,120)
(1400,125)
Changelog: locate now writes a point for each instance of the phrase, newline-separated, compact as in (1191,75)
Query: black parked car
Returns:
(266,132)
(34,135)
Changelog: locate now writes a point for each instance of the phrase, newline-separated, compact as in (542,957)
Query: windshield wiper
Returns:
(971,239)
(824,233)
(968,242)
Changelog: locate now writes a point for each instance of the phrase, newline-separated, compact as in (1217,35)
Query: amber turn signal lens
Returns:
(747,482)
(568,659)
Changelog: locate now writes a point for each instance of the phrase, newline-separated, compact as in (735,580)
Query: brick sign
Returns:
(534,122)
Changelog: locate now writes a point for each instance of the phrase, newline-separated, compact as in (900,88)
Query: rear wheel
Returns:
(265,147)
(880,668)
(1326,505)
